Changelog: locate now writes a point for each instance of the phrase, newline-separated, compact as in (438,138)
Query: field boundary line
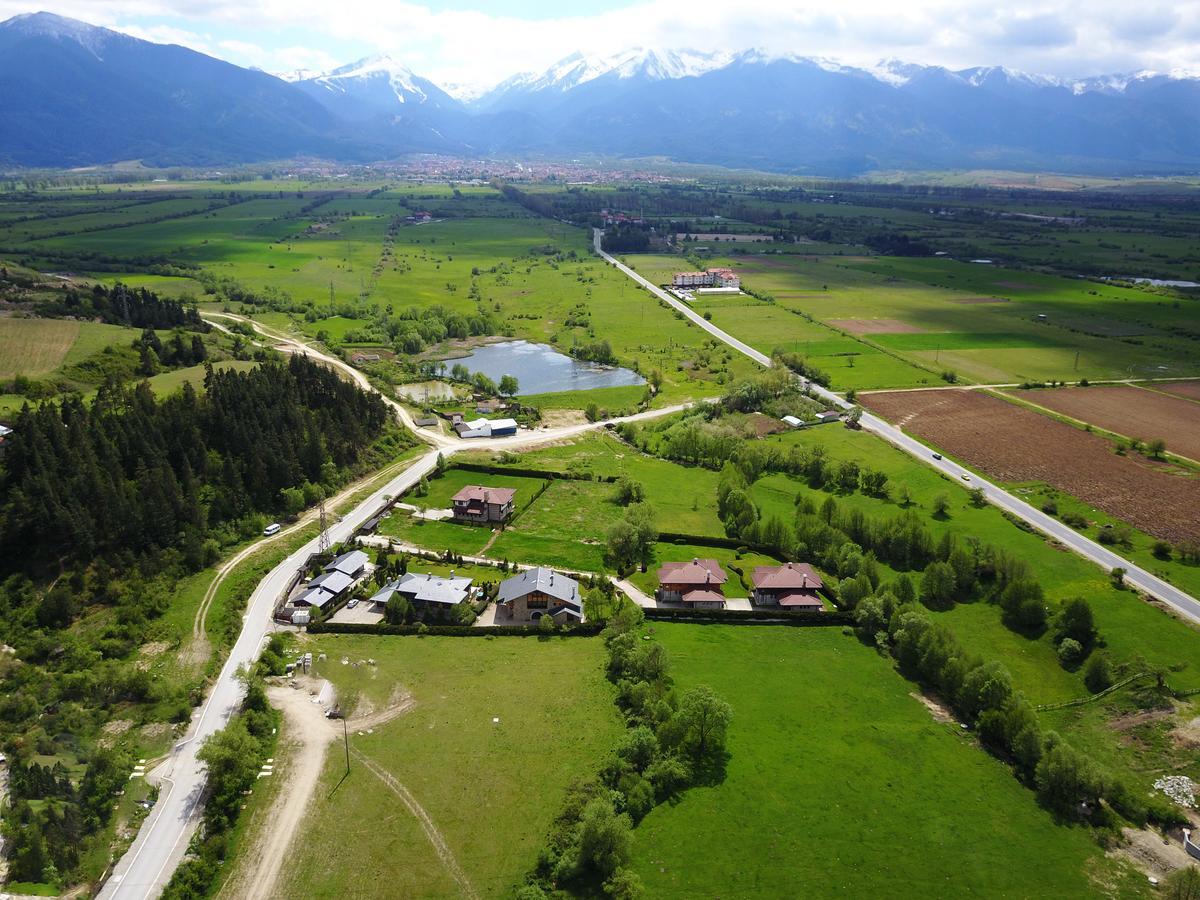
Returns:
(431,830)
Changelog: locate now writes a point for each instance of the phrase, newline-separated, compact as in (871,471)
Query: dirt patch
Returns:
(937,709)
(1131,411)
(155,729)
(1017,285)
(1011,443)
(874,326)
(154,648)
(1152,853)
(1187,735)
(557,418)
(762,425)
(974,300)
(1188,389)
(113,730)
(1133,720)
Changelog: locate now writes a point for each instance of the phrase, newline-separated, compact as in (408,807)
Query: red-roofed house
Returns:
(481,505)
(792,586)
(698,583)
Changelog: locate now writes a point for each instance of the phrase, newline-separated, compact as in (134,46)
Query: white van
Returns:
(271,529)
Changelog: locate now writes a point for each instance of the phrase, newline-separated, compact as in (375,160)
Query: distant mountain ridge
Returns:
(86,95)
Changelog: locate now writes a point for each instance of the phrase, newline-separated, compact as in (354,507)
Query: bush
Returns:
(1161,550)
(1098,675)
(1070,652)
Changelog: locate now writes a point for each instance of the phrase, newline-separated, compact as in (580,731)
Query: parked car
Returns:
(351,603)
(271,529)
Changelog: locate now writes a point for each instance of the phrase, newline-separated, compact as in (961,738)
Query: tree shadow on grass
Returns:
(709,771)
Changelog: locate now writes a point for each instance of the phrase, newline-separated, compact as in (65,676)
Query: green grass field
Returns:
(841,783)
(37,347)
(980,321)
(491,788)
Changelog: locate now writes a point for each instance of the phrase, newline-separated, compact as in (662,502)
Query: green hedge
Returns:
(584,629)
(750,616)
(492,469)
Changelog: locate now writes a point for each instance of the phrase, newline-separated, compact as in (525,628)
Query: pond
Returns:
(540,369)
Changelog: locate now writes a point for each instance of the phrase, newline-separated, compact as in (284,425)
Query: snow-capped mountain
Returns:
(89,95)
(637,64)
(374,86)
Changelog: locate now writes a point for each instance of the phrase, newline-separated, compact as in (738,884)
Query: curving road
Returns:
(161,842)
(1137,577)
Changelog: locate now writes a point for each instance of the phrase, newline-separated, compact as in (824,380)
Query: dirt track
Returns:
(309,735)
(1132,411)
(1009,443)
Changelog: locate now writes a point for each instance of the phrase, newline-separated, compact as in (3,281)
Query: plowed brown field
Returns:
(1131,411)
(1181,388)
(1009,443)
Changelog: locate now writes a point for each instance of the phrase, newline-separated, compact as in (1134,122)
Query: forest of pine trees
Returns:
(110,504)
(131,475)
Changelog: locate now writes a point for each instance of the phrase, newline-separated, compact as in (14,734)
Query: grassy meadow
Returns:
(839,782)
(491,788)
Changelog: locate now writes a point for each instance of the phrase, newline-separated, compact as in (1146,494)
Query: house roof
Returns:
(433,588)
(547,581)
(789,576)
(497,424)
(335,582)
(698,572)
(314,596)
(703,595)
(800,598)
(475,493)
(566,611)
(350,563)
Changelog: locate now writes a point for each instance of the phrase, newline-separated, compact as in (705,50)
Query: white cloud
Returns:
(469,46)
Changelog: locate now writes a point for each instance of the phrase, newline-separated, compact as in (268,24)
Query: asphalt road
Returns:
(1135,576)
(147,866)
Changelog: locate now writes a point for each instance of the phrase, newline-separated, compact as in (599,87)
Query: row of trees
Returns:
(672,742)
(232,758)
(121,305)
(982,694)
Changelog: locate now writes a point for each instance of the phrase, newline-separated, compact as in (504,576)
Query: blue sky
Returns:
(468,42)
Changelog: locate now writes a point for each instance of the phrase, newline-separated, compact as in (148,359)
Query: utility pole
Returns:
(331,294)
(346,740)
(1076,360)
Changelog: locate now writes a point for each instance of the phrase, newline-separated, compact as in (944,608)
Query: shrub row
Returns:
(752,616)
(584,629)
(491,469)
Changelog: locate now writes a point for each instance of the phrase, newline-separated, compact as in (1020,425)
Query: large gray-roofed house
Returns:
(313,596)
(433,588)
(351,563)
(540,591)
(334,582)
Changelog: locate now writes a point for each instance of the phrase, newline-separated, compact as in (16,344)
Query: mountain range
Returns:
(76,94)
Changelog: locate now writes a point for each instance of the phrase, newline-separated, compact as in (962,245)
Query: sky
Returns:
(476,43)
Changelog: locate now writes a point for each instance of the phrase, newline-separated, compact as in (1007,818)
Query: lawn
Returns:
(841,783)
(490,787)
